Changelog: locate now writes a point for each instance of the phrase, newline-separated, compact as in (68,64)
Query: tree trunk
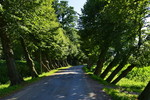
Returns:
(90,63)
(145,95)
(9,56)
(51,64)
(100,61)
(30,62)
(123,74)
(66,62)
(121,65)
(110,66)
(58,63)
(45,63)
(44,67)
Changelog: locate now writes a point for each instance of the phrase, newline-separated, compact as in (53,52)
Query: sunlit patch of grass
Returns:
(131,85)
(53,71)
(89,72)
(64,67)
(4,86)
(116,94)
(6,89)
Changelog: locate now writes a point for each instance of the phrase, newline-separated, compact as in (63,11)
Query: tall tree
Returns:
(112,22)
(6,44)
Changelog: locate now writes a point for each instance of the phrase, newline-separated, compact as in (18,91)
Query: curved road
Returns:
(68,84)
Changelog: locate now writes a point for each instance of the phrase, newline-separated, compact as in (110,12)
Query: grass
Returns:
(125,89)
(6,90)
(117,95)
(90,72)
(131,85)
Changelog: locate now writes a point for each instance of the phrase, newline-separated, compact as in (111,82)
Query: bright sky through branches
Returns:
(77,4)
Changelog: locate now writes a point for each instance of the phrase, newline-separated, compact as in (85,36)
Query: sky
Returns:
(77,4)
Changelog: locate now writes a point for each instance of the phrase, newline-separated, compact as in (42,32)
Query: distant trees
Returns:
(68,19)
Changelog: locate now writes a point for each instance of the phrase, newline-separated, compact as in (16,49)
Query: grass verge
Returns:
(126,89)
(6,90)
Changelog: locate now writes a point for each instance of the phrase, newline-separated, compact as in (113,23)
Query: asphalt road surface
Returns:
(68,84)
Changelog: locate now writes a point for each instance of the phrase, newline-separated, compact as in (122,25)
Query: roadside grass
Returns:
(132,86)
(125,89)
(6,89)
(117,95)
(90,73)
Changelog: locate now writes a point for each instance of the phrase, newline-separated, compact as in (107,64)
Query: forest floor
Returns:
(67,84)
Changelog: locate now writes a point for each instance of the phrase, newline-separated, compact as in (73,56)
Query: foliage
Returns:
(48,30)
(68,19)
(111,27)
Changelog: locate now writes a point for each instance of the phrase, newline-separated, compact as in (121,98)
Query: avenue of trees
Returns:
(117,35)
(38,30)
(110,34)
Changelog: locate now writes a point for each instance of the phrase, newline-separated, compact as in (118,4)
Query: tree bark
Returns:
(110,66)
(123,74)
(58,63)
(45,63)
(66,62)
(145,95)
(100,62)
(30,62)
(90,63)
(44,67)
(121,65)
(9,56)
(51,64)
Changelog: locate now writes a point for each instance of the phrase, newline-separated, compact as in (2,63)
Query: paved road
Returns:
(68,84)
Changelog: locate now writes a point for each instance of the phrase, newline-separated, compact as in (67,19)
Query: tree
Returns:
(68,19)
(14,77)
(145,94)
(114,23)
